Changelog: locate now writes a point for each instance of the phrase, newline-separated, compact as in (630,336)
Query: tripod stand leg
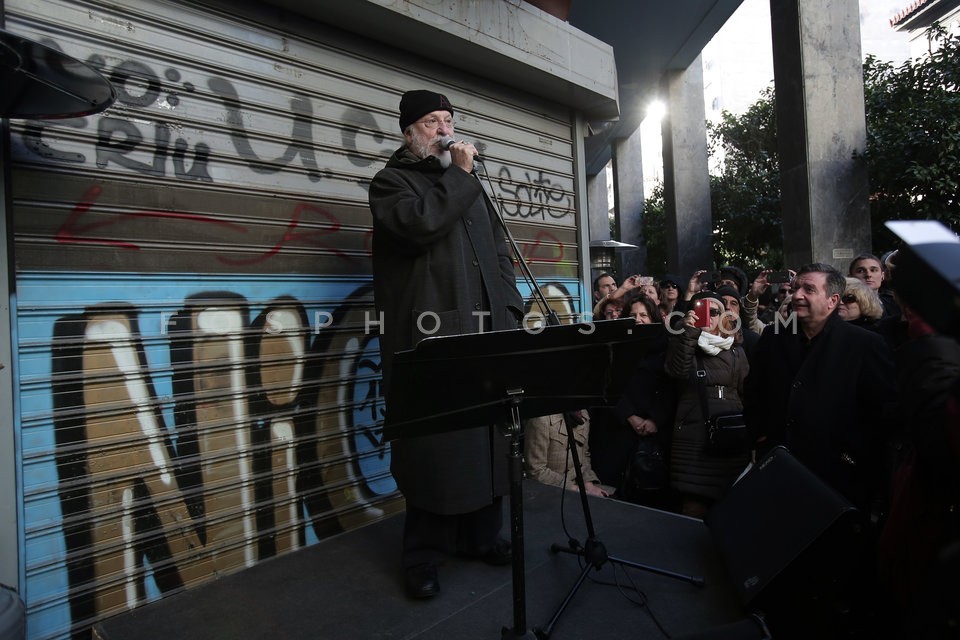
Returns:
(694,580)
(544,632)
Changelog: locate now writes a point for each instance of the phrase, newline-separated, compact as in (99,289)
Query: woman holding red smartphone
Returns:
(704,350)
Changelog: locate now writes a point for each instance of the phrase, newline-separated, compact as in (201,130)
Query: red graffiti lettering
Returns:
(78,228)
(546,244)
(291,235)
(73,231)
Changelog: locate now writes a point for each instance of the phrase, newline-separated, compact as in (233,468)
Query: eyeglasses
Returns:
(715,313)
(433,123)
(849,299)
(669,285)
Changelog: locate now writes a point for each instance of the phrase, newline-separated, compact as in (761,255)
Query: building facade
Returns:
(193,361)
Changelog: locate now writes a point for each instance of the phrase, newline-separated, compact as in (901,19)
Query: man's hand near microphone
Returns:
(462,153)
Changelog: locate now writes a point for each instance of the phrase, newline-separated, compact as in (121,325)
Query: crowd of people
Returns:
(855,384)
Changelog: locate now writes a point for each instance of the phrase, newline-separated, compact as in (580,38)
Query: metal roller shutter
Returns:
(197,387)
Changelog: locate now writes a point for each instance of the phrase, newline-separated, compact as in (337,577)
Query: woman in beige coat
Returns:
(547,454)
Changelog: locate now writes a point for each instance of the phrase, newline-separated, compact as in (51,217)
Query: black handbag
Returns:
(727,433)
(646,471)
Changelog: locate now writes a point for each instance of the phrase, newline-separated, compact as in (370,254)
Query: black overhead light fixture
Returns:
(40,82)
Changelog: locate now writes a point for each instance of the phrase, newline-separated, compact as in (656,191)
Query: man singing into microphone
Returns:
(441,267)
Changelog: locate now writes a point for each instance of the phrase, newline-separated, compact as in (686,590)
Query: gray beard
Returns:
(422,150)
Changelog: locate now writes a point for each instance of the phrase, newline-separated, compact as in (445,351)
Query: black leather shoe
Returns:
(422,581)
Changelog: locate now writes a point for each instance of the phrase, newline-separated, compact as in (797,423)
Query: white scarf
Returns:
(712,344)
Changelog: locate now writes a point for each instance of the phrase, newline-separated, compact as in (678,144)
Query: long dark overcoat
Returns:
(440,259)
(829,400)
(692,470)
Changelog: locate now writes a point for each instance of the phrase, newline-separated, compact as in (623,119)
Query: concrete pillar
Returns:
(598,207)
(820,123)
(598,215)
(628,199)
(686,178)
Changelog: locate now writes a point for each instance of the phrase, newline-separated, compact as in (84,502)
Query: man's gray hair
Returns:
(836,282)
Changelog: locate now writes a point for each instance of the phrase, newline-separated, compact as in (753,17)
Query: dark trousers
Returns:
(428,536)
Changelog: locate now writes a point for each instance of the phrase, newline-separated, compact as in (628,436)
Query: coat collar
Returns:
(403,158)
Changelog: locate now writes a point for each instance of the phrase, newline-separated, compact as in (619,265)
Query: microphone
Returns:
(446,142)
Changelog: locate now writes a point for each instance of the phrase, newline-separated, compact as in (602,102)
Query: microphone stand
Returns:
(515,432)
(549,314)
(593,550)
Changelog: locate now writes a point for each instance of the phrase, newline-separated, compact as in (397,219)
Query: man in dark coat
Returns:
(823,388)
(826,390)
(441,266)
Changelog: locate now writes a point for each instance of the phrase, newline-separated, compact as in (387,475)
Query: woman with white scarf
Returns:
(699,477)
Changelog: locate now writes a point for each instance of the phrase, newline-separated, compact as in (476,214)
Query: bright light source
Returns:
(656,110)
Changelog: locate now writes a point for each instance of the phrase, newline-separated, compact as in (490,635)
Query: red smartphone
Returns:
(702,309)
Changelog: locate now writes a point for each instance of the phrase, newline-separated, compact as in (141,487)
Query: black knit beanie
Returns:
(419,102)
(727,290)
(736,274)
(708,294)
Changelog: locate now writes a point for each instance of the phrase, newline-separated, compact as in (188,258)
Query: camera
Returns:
(778,277)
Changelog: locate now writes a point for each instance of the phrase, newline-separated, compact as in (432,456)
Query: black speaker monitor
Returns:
(784,535)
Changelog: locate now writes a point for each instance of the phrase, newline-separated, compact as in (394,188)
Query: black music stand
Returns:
(456,382)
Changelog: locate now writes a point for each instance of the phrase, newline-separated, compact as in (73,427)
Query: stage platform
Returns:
(349,586)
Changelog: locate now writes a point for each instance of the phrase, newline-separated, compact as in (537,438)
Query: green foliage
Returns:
(912,156)
(745,196)
(654,231)
(913,137)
